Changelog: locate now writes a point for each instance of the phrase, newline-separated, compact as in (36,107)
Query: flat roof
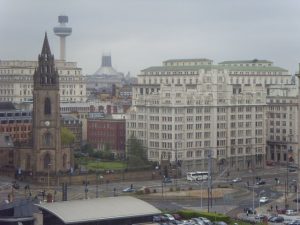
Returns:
(99,209)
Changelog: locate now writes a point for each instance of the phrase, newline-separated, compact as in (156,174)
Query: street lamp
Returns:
(287,175)
(176,161)
(97,184)
(48,180)
(201,201)
(261,192)
(297,197)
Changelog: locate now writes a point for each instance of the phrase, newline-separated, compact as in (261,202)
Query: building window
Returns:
(47,161)
(64,161)
(47,107)
(47,139)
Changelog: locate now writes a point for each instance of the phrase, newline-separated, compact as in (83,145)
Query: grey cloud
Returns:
(142,33)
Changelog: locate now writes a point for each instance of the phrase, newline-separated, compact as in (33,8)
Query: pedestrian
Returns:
(276,207)
(271,208)
(247,213)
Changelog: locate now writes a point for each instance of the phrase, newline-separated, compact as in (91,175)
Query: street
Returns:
(244,196)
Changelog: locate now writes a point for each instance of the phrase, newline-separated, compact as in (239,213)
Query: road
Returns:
(231,204)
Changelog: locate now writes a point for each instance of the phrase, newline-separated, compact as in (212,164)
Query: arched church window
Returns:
(47,161)
(47,106)
(65,161)
(47,139)
(28,159)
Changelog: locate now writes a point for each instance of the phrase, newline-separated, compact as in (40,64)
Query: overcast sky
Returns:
(143,33)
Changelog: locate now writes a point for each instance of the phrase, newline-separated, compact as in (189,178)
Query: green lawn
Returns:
(93,164)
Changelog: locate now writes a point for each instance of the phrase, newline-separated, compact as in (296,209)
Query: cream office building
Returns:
(16,81)
(187,108)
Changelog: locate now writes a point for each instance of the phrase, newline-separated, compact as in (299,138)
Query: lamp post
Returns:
(86,187)
(201,195)
(48,180)
(209,181)
(176,161)
(261,192)
(287,175)
(297,197)
(97,180)
(253,195)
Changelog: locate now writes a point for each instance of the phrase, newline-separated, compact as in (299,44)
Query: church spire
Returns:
(46,47)
(46,75)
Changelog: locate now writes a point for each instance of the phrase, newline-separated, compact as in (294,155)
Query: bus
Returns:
(197,176)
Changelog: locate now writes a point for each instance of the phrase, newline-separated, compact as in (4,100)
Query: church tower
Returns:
(48,154)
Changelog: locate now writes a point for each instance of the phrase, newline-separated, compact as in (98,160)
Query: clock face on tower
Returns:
(47,123)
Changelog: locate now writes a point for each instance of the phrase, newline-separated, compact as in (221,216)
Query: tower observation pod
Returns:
(62,31)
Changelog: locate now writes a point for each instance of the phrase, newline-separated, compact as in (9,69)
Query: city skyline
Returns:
(143,33)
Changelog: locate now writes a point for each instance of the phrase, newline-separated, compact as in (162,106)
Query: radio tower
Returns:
(62,31)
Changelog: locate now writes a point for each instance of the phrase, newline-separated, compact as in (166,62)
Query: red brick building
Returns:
(16,123)
(107,130)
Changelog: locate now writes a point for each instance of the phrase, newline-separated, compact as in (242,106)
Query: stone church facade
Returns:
(46,154)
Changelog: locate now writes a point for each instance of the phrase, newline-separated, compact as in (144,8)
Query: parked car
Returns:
(176,222)
(263,199)
(261,217)
(129,189)
(169,217)
(295,222)
(220,223)
(292,170)
(197,221)
(206,221)
(157,218)
(237,179)
(177,216)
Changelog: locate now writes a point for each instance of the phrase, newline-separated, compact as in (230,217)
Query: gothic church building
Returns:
(46,153)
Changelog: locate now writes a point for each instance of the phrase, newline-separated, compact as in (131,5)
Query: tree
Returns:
(136,154)
(87,148)
(67,137)
(106,153)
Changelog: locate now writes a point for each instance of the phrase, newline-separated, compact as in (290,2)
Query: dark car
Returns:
(296,222)
(281,211)
(167,180)
(249,211)
(177,216)
(158,218)
(296,200)
(276,219)
(291,170)
(261,182)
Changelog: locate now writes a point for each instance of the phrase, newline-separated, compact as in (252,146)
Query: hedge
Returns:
(188,214)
